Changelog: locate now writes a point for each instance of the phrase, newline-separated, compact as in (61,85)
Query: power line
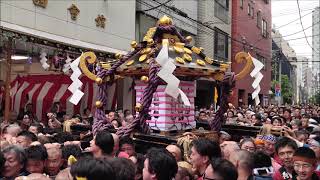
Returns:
(292,21)
(156,6)
(303,27)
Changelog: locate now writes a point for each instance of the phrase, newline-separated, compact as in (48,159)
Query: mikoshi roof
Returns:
(189,60)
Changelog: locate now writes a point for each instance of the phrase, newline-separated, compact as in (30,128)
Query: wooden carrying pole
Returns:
(8,80)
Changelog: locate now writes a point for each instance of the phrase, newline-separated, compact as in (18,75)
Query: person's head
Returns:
(304,163)
(13,130)
(243,159)
(25,138)
(92,169)
(261,160)
(269,141)
(295,124)
(287,113)
(296,112)
(68,150)
(228,147)
(302,135)
(315,145)
(305,121)
(224,136)
(124,168)
(285,148)
(54,161)
(102,144)
(202,116)
(230,114)
(138,159)
(248,144)
(220,169)
(176,151)
(26,121)
(159,165)
(277,121)
(183,174)
(35,128)
(129,118)
(111,116)
(127,146)
(202,152)
(36,158)
(15,161)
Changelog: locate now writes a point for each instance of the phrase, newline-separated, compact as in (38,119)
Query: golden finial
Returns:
(144,79)
(98,80)
(99,104)
(165,21)
(134,44)
(118,55)
(189,38)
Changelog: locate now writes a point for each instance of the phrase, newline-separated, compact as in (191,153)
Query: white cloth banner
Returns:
(257,75)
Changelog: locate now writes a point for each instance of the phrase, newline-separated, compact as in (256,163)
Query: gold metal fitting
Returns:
(99,104)
(144,79)
(150,42)
(98,80)
(142,58)
(118,55)
(180,60)
(187,57)
(201,48)
(138,107)
(129,63)
(189,38)
(201,62)
(134,44)
(208,60)
(188,51)
(164,21)
(196,50)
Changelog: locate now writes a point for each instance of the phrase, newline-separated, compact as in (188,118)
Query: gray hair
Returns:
(19,151)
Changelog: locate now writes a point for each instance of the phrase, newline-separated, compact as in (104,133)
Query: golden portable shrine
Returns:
(166,66)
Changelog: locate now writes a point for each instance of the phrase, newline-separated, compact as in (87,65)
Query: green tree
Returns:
(286,89)
(316,98)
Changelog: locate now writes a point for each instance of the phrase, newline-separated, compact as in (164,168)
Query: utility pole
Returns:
(8,80)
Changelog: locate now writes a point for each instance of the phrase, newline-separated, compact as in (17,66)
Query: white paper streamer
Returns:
(43,60)
(166,74)
(76,83)
(66,66)
(257,75)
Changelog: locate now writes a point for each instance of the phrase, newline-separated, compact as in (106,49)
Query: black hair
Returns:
(162,163)
(92,169)
(225,169)
(288,110)
(71,149)
(126,140)
(260,160)
(285,141)
(105,142)
(29,135)
(38,152)
(2,161)
(206,147)
(62,137)
(124,168)
(140,163)
(39,127)
(305,152)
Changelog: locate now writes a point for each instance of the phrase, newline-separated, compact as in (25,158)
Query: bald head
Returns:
(33,176)
(175,151)
(242,159)
(228,147)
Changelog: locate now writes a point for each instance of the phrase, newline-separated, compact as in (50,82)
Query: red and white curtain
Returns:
(43,90)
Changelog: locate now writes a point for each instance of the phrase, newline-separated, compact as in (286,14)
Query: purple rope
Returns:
(100,121)
(227,84)
(140,121)
(158,35)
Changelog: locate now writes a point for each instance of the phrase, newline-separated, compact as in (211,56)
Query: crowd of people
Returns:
(288,147)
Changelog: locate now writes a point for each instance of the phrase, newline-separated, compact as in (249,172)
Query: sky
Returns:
(285,11)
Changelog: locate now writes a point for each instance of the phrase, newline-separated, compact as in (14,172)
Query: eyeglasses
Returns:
(303,166)
(207,178)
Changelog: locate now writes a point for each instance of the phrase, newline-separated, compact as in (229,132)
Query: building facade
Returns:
(106,27)
(251,32)
(316,49)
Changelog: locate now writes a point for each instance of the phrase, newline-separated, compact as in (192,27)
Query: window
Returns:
(266,1)
(221,10)
(262,60)
(221,44)
(241,4)
(252,12)
(264,28)
(259,19)
(249,9)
